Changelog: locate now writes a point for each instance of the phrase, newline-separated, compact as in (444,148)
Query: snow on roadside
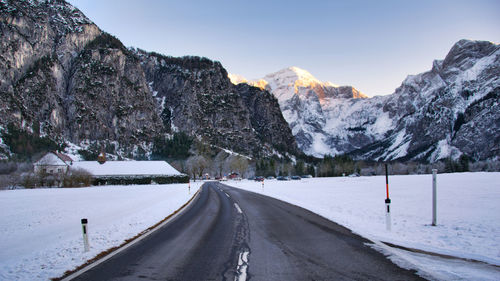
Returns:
(468,210)
(41,231)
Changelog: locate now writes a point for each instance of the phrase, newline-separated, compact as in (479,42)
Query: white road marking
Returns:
(238,208)
(227,195)
(242,267)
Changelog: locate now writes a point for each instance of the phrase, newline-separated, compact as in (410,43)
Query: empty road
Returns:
(231,234)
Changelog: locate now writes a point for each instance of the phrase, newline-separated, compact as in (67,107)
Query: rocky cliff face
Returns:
(451,110)
(62,77)
(197,97)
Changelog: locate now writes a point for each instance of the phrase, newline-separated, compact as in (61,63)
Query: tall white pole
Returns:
(434,197)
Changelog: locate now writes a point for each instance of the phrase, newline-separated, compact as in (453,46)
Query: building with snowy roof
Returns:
(53,163)
(127,168)
(131,172)
(112,172)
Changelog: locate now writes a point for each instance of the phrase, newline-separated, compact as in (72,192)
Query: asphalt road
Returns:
(231,234)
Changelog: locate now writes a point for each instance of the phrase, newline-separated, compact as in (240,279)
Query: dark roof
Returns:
(63,157)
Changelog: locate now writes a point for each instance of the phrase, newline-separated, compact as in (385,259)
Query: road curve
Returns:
(231,234)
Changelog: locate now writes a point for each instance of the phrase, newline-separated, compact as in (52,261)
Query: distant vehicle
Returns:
(251,178)
(270,178)
(281,178)
(354,175)
(259,178)
(306,176)
(296,178)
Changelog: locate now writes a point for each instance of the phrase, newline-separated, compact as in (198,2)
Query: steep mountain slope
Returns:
(197,97)
(62,77)
(451,110)
(305,102)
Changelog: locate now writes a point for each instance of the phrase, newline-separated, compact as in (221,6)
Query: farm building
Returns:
(53,163)
(131,172)
(112,172)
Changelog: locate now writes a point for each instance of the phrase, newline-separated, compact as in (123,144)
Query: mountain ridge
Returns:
(384,128)
(65,79)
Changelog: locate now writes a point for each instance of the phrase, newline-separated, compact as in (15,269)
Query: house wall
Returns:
(51,169)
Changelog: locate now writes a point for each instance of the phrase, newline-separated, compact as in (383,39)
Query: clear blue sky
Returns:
(371,45)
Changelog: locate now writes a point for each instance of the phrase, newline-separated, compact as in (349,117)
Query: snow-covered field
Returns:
(468,216)
(41,233)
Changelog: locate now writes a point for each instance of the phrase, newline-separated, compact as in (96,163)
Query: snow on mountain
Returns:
(236,78)
(448,111)
(307,105)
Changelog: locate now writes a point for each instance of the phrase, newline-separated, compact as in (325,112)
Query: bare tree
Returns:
(196,165)
(239,164)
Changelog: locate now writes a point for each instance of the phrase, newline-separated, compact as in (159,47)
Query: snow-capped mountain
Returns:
(306,103)
(451,110)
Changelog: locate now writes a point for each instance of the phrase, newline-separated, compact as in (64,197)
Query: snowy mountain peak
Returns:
(448,111)
(295,77)
(295,74)
(236,78)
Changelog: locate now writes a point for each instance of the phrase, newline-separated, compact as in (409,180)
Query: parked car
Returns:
(296,178)
(281,178)
(306,176)
(270,178)
(259,178)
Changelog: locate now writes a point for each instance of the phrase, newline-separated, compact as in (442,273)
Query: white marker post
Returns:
(85,235)
(387,201)
(189,187)
(434,197)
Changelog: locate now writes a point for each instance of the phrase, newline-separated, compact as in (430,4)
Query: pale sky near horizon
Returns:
(371,45)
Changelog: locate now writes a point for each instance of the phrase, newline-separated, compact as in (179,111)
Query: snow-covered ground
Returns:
(41,233)
(468,217)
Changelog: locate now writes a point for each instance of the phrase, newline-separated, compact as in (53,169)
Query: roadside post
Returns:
(189,186)
(85,235)
(387,201)
(434,197)
(262,184)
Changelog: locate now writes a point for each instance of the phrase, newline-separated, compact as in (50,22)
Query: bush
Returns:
(77,178)
(29,180)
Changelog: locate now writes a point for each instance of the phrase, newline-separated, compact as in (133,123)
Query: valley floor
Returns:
(42,237)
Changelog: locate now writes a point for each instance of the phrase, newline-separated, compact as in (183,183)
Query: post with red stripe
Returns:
(387,201)
(85,235)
